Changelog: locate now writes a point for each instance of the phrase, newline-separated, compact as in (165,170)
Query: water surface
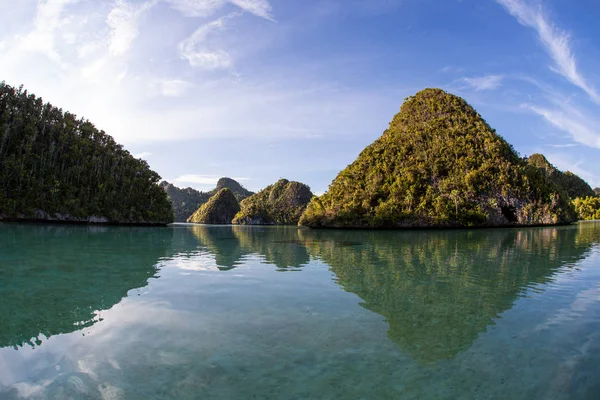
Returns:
(207,312)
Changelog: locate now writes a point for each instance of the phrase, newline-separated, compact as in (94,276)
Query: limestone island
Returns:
(55,167)
(439,164)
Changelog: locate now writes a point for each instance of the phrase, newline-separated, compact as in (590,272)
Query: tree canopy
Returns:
(572,184)
(187,201)
(439,164)
(279,204)
(220,209)
(55,166)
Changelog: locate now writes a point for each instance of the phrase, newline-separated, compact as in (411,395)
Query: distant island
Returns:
(219,209)
(439,164)
(56,167)
(187,201)
(279,204)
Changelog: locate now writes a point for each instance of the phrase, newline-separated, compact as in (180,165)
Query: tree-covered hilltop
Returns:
(187,201)
(238,190)
(279,204)
(220,209)
(54,166)
(572,184)
(439,164)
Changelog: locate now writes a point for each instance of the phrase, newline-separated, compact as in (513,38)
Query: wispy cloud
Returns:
(562,110)
(47,21)
(562,146)
(570,121)
(204,8)
(196,8)
(555,41)
(199,52)
(488,82)
(123,21)
(261,8)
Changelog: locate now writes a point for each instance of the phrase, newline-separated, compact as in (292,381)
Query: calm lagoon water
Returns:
(204,312)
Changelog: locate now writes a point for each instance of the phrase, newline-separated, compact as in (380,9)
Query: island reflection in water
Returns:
(437,289)
(236,326)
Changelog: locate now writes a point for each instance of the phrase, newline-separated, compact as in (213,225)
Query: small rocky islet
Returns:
(439,164)
(219,209)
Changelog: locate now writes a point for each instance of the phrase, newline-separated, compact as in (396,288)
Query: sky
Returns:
(259,90)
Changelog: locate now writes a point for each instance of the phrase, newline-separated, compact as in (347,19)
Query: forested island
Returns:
(56,167)
(439,164)
(219,209)
(187,201)
(279,204)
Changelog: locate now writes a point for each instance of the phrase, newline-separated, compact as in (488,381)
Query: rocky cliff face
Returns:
(439,164)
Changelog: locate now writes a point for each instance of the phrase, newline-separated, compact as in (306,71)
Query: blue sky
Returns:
(263,89)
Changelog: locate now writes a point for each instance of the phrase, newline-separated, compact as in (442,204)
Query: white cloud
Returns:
(174,87)
(196,8)
(555,41)
(204,8)
(143,155)
(129,97)
(580,130)
(261,8)
(47,21)
(488,82)
(123,21)
(200,52)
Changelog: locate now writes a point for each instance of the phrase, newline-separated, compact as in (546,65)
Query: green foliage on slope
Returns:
(587,208)
(572,184)
(57,167)
(220,209)
(279,204)
(187,201)
(439,164)
(238,190)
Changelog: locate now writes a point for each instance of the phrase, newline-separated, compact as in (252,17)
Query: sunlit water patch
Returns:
(209,312)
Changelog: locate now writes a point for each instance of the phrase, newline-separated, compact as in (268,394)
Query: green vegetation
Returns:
(187,201)
(439,290)
(220,209)
(585,200)
(439,164)
(572,184)
(279,204)
(588,208)
(238,190)
(54,166)
(279,246)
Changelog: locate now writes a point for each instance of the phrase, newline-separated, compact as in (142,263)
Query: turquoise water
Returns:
(200,312)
